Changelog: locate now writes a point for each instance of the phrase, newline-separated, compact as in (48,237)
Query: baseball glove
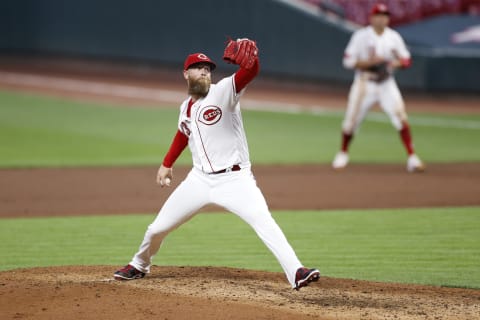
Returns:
(381,71)
(243,52)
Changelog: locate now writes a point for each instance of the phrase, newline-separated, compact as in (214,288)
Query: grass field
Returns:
(432,246)
(40,131)
(428,246)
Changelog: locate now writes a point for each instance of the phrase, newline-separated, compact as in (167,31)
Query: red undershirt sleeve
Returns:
(179,143)
(244,76)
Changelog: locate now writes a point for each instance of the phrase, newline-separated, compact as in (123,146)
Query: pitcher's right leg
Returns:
(183,203)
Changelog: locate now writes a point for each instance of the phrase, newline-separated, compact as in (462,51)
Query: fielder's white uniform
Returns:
(364,44)
(217,141)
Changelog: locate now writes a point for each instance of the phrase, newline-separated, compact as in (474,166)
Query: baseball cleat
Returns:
(304,276)
(340,161)
(128,272)
(414,164)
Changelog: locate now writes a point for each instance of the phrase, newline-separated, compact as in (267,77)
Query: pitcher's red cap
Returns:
(380,8)
(198,58)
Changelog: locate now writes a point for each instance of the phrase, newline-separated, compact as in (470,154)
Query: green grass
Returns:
(42,131)
(427,246)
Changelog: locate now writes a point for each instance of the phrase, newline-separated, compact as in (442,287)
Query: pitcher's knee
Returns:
(157,230)
(348,126)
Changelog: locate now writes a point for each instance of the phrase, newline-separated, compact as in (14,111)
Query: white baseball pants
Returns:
(237,192)
(364,94)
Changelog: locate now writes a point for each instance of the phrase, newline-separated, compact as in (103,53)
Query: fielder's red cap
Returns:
(380,8)
(195,58)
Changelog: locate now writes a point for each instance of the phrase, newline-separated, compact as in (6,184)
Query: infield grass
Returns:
(437,246)
(38,131)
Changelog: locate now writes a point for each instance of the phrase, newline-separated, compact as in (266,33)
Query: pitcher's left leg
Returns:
(242,197)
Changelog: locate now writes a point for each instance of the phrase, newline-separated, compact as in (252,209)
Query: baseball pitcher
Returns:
(210,123)
(375,52)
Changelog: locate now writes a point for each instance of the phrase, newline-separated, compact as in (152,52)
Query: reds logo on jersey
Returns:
(210,115)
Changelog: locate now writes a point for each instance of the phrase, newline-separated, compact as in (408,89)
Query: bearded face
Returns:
(199,86)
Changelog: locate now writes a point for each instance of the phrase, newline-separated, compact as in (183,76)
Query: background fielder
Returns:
(210,123)
(375,52)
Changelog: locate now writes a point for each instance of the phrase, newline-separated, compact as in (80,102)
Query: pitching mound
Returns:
(81,292)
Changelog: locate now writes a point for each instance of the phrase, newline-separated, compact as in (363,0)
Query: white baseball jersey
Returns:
(365,44)
(215,129)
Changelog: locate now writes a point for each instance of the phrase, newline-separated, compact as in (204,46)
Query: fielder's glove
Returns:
(243,52)
(380,71)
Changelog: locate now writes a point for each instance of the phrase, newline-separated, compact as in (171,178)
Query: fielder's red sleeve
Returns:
(405,63)
(179,143)
(244,76)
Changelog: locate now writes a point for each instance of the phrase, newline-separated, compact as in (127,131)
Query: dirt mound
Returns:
(81,292)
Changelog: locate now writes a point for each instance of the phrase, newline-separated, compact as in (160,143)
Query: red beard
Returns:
(199,87)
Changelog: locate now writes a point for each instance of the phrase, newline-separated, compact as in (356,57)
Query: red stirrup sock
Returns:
(406,137)
(346,139)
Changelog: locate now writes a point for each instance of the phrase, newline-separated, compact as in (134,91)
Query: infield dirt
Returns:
(87,191)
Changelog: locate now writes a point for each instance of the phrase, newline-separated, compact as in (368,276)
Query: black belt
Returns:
(235,167)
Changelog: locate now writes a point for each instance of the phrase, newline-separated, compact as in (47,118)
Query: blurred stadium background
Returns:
(299,39)
(402,11)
